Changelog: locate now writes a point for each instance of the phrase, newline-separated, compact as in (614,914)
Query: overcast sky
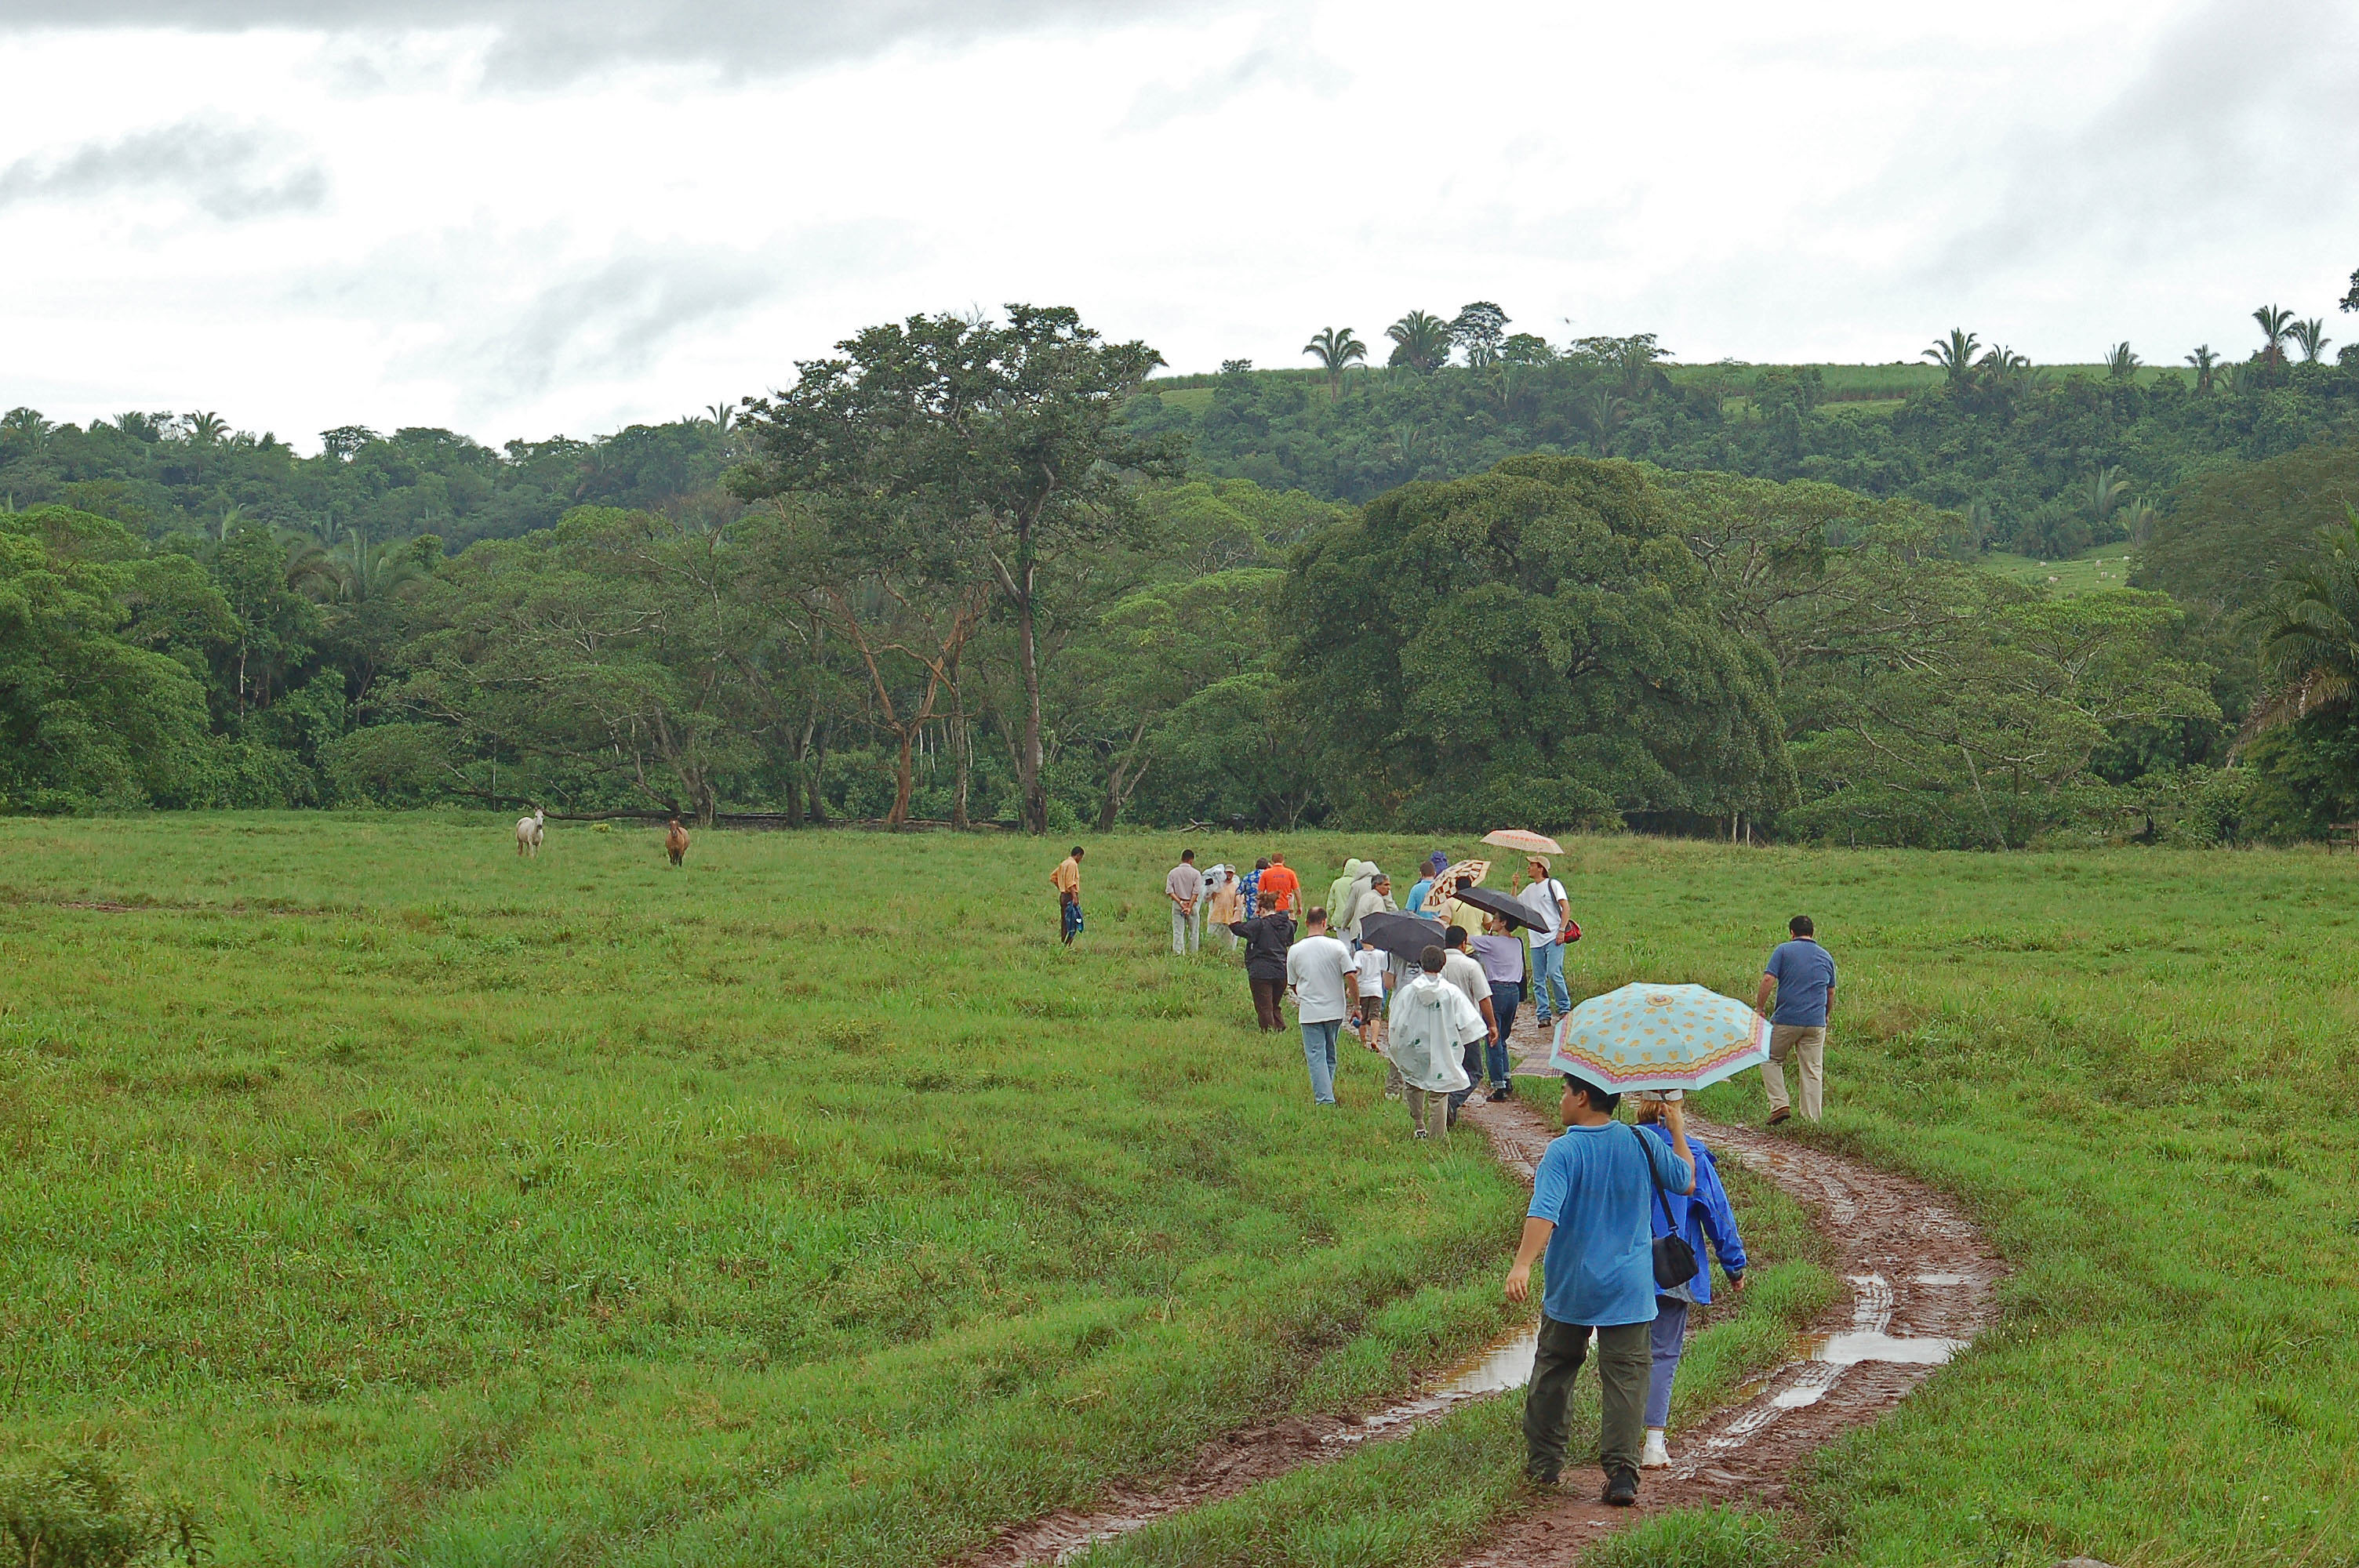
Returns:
(527,217)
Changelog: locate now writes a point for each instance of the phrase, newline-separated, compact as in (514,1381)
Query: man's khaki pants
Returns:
(1807,1043)
(1428,1111)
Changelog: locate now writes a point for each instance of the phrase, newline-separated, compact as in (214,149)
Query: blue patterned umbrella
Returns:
(1647,1036)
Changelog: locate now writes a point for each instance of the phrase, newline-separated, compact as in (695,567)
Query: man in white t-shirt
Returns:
(1545,897)
(1463,969)
(1319,975)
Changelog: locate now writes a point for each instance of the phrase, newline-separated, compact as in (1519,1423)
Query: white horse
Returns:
(529,834)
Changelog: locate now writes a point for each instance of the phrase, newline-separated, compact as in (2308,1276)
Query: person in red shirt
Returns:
(1278,886)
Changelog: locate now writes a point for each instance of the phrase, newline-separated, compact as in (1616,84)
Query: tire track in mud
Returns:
(1922,1284)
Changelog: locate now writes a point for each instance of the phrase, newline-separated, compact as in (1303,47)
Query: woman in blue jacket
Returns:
(1704,1217)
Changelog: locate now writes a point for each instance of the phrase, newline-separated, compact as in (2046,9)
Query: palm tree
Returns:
(2104,493)
(2121,364)
(2311,337)
(1954,354)
(1420,341)
(2206,365)
(2276,322)
(720,416)
(364,573)
(1335,349)
(2309,647)
(204,429)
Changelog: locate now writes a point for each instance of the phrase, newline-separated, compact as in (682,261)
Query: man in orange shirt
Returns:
(1278,886)
(1067,879)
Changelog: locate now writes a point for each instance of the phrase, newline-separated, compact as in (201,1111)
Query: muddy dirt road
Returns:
(1921,1282)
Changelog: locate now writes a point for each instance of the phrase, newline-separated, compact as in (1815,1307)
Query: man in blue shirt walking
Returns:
(1590,1212)
(1803,976)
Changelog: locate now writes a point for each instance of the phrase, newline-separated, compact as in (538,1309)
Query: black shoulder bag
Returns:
(1675,1261)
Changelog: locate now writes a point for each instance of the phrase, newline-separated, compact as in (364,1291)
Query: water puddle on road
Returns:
(1505,1363)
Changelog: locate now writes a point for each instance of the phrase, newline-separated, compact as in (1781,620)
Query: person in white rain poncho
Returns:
(1425,1036)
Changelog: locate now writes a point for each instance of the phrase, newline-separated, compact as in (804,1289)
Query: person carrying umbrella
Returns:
(1269,938)
(1427,1030)
(1700,1217)
(1502,957)
(1591,1198)
(1545,897)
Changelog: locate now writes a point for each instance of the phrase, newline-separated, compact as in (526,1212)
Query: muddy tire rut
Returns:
(1922,1282)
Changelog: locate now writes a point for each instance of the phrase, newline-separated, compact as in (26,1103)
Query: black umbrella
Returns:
(1405,936)
(1507,906)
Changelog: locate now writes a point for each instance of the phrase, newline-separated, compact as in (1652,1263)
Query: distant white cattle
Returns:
(529,834)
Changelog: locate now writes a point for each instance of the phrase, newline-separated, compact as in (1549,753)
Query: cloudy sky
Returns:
(526,217)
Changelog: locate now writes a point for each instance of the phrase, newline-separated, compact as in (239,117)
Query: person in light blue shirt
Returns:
(1590,1198)
(1435,864)
(1803,976)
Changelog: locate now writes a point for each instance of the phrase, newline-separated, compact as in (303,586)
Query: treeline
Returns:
(163,474)
(955,573)
(2042,461)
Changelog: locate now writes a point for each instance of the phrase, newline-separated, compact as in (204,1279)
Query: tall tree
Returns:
(2275,321)
(1006,437)
(1479,328)
(1336,350)
(2311,337)
(2206,363)
(1954,354)
(2121,364)
(1420,341)
(2310,639)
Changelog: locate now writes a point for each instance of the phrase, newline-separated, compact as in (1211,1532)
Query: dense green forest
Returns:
(990,571)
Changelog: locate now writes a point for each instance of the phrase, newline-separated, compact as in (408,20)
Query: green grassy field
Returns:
(386,1199)
(2099,567)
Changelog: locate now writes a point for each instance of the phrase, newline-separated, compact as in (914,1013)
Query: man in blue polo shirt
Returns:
(1591,1199)
(1803,976)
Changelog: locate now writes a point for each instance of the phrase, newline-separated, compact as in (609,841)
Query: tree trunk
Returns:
(904,783)
(1036,798)
(817,753)
(962,755)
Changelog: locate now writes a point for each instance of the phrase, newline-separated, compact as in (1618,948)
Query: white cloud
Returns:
(415,240)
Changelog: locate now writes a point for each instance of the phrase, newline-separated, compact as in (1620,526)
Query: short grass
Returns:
(393,1201)
(2093,570)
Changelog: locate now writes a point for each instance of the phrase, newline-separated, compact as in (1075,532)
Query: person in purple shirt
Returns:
(1803,976)
(1500,954)
(1700,1217)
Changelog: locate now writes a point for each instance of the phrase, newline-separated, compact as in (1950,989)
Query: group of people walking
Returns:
(1606,1194)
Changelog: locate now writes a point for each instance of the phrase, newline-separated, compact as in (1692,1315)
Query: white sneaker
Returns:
(1657,1455)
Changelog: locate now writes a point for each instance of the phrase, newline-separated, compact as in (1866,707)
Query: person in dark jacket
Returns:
(1267,937)
(1701,1215)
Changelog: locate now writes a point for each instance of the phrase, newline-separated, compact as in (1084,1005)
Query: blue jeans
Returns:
(1505,997)
(1068,920)
(1670,1338)
(1548,982)
(1319,1055)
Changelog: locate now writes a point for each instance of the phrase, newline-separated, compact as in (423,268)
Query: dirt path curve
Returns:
(1921,1281)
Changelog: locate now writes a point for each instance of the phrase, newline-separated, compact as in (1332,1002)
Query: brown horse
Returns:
(676,842)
